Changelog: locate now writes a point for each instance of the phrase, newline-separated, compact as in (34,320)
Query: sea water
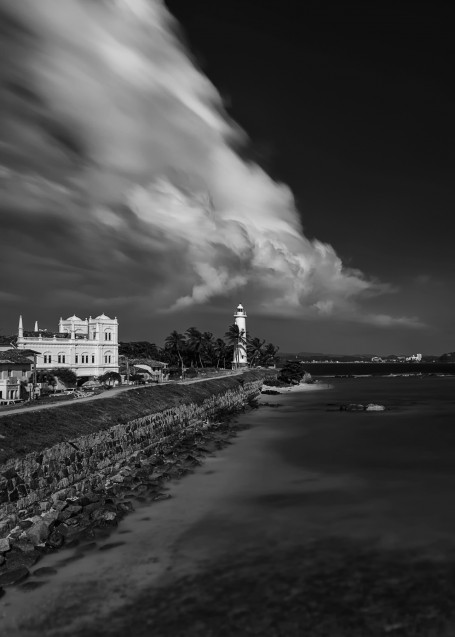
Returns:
(303,471)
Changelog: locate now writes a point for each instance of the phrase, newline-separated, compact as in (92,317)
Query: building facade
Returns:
(240,353)
(15,370)
(89,347)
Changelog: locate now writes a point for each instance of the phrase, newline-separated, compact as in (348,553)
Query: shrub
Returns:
(191,372)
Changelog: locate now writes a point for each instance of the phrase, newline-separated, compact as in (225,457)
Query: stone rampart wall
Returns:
(84,464)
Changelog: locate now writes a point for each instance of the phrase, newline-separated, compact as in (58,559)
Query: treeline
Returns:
(202,349)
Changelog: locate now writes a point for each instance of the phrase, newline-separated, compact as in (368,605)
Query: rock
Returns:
(24,546)
(63,515)
(14,576)
(60,496)
(31,586)
(4,545)
(16,558)
(73,521)
(59,505)
(38,532)
(50,518)
(374,407)
(354,407)
(73,509)
(125,507)
(89,508)
(162,496)
(44,571)
(88,499)
(104,517)
(55,539)
(111,545)
(118,479)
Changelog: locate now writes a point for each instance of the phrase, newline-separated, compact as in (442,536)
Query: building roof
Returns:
(150,365)
(13,356)
(102,317)
(28,352)
(73,318)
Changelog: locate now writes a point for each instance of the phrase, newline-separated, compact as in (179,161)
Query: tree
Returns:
(140,349)
(208,347)
(110,378)
(236,337)
(255,348)
(221,351)
(292,372)
(269,354)
(46,378)
(195,343)
(175,344)
(65,375)
(136,378)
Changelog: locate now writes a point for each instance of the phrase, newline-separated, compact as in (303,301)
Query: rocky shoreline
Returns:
(71,521)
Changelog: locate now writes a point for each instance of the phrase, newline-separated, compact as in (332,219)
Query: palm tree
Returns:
(195,343)
(221,351)
(175,344)
(236,338)
(255,347)
(269,353)
(209,346)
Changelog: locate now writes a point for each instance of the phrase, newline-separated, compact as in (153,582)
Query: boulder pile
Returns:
(67,521)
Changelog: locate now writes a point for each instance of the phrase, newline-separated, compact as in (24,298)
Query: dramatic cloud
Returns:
(120,182)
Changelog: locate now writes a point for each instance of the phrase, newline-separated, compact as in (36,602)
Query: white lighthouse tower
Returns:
(240,358)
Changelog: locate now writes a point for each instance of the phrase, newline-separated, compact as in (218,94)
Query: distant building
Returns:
(89,347)
(416,358)
(240,357)
(15,368)
(153,371)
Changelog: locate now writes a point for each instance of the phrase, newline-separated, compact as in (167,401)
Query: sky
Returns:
(162,162)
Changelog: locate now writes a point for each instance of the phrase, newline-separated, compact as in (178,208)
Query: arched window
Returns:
(107,357)
(61,357)
(84,358)
(108,335)
(47,357)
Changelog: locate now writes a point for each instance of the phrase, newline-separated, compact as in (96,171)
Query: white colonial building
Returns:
(89,347)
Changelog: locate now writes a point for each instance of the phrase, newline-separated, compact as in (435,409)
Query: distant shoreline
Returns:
(378,369)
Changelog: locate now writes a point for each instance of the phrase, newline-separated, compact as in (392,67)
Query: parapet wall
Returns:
(83,464)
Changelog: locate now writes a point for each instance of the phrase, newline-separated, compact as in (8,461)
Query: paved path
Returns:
(104,396)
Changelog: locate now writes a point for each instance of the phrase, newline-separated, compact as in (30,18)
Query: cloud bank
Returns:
(120,183)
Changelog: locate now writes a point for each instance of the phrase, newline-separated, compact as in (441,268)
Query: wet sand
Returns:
(309,523)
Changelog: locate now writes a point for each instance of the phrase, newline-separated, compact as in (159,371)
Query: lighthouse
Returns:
(240,358)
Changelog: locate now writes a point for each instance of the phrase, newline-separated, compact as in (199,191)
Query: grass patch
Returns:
(24,433)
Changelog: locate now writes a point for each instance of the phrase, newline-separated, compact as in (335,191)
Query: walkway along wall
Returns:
(84,463)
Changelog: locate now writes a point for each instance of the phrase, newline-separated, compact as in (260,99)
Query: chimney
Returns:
(20,333)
